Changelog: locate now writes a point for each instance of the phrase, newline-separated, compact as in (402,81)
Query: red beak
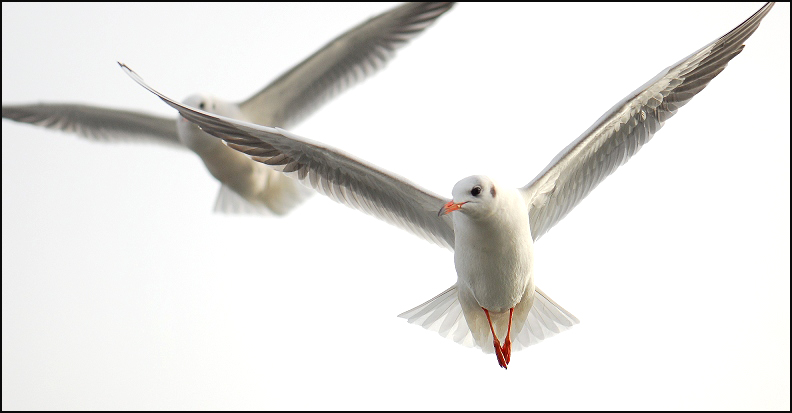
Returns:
(451,206)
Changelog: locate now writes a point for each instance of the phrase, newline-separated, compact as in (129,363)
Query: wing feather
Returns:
(344,61)
(625,128)
(96,123)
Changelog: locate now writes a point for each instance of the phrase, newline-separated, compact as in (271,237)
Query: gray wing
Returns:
(346,60)
(96,123)
(346,179)
(621,132)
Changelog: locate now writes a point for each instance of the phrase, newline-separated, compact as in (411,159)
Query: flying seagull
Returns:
(250,187)
(491,228)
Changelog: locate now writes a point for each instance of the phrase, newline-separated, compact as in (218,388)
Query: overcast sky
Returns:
(122,290)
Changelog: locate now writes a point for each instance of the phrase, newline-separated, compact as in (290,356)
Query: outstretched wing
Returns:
(346,179)
(346,60)
(621,132)
(96,123)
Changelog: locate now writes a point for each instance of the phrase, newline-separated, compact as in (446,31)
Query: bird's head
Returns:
(190,134)
(475,196)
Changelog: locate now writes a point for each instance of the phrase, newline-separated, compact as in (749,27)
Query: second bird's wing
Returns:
(96,123)
(344,61)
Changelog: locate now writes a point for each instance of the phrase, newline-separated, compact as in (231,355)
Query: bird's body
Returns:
(490,228)
(493,254)
(261,189)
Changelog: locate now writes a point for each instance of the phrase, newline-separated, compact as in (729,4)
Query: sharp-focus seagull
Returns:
(491,228)
(250,187)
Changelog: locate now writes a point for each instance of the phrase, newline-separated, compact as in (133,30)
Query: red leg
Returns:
(498,351)
(507,343)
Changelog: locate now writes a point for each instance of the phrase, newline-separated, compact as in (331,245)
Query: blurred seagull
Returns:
(247,186)
(491,228)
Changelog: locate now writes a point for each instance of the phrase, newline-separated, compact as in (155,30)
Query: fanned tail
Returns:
(443,314)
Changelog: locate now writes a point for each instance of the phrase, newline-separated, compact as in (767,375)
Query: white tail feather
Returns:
(443,314)
(230,202)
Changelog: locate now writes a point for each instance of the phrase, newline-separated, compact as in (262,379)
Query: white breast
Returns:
(493,256)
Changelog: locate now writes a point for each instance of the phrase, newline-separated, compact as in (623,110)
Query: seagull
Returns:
(250,187)
(490,228)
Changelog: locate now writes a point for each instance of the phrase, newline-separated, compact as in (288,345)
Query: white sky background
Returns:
(121,289)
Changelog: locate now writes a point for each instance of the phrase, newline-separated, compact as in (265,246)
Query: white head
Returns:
(476,196)
(190,134)
(212,104)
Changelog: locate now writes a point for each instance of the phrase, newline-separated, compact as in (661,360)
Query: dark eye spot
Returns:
(492,191)
(201,106)
(475,191)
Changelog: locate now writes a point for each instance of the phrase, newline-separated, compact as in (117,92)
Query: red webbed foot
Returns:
(502,360)
(506,350)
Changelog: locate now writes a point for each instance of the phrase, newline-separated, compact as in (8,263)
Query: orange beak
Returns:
(451,206)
